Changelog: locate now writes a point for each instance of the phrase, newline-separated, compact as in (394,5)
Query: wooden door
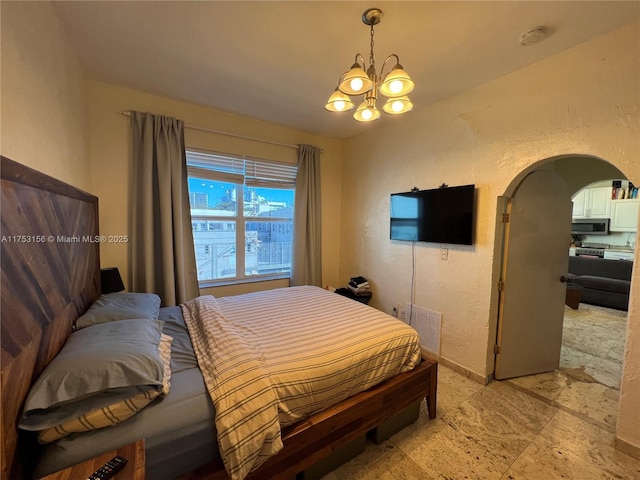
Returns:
(534,264)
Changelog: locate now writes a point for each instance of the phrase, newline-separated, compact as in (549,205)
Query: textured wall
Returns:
(583,101)
(628,425)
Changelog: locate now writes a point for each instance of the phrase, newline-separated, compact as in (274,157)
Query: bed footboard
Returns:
(316,437)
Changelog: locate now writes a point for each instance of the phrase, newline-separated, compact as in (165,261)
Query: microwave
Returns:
(590,226)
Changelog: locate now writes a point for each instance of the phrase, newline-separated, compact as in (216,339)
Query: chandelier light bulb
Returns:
(398,105)
(356,84)
(339,102)
(396,83)
(367,111)
(395,86)
(355,81)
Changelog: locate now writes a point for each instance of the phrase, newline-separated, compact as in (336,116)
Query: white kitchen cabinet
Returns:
(616,255)
(624,215)
(592,203)
(580,203)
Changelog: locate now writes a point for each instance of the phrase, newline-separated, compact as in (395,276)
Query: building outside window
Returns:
(244,208)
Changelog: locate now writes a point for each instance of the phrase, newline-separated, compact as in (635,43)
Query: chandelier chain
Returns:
(372,61)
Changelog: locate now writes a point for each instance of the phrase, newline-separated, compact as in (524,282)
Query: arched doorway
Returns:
(576,171)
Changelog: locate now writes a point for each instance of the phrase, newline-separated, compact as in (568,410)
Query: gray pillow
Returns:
(120,306)
(96,366)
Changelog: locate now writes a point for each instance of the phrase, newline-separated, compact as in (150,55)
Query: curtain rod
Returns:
(220,132)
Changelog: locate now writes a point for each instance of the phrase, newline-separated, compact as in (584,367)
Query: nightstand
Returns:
(133,470)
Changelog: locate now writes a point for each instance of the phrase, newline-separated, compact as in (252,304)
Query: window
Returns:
(245,211)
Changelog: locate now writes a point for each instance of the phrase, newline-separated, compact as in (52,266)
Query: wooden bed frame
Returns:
(47,282)
(319,435)
(51,275)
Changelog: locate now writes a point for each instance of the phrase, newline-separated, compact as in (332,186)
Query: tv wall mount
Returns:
(442,185)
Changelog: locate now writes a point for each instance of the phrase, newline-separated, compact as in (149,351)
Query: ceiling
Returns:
(280,61)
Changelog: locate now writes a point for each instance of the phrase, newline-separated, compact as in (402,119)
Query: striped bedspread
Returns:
(272,358)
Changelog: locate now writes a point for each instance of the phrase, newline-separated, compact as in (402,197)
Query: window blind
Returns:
(225,168)
(247,171)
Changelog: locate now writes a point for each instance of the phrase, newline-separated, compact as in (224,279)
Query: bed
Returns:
(47,285)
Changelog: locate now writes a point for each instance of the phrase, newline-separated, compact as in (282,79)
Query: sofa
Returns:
(604,282)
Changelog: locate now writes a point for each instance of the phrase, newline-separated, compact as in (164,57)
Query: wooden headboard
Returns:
(50,275)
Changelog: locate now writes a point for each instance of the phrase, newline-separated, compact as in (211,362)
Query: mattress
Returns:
(294,326)
(319,347)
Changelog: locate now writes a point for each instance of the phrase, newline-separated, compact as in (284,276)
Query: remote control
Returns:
(109,469)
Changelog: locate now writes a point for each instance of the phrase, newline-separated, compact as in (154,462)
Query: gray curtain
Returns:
(161,244)
(307,236)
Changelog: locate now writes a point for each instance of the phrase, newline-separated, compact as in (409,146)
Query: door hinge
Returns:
(500,286)
(505,218)
(496,349)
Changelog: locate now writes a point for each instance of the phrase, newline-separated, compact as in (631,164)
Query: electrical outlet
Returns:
(398,311)
(444,254)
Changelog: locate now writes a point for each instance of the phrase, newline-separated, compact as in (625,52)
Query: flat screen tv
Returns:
(441,215)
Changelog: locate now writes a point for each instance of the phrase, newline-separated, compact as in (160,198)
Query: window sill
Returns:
(225,283)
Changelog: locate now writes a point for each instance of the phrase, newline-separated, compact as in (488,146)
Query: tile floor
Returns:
(556,425)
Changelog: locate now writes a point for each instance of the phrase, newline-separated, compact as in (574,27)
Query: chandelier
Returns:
(395,85)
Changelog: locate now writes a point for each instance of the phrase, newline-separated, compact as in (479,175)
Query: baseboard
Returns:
(476,377)
(627,448)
